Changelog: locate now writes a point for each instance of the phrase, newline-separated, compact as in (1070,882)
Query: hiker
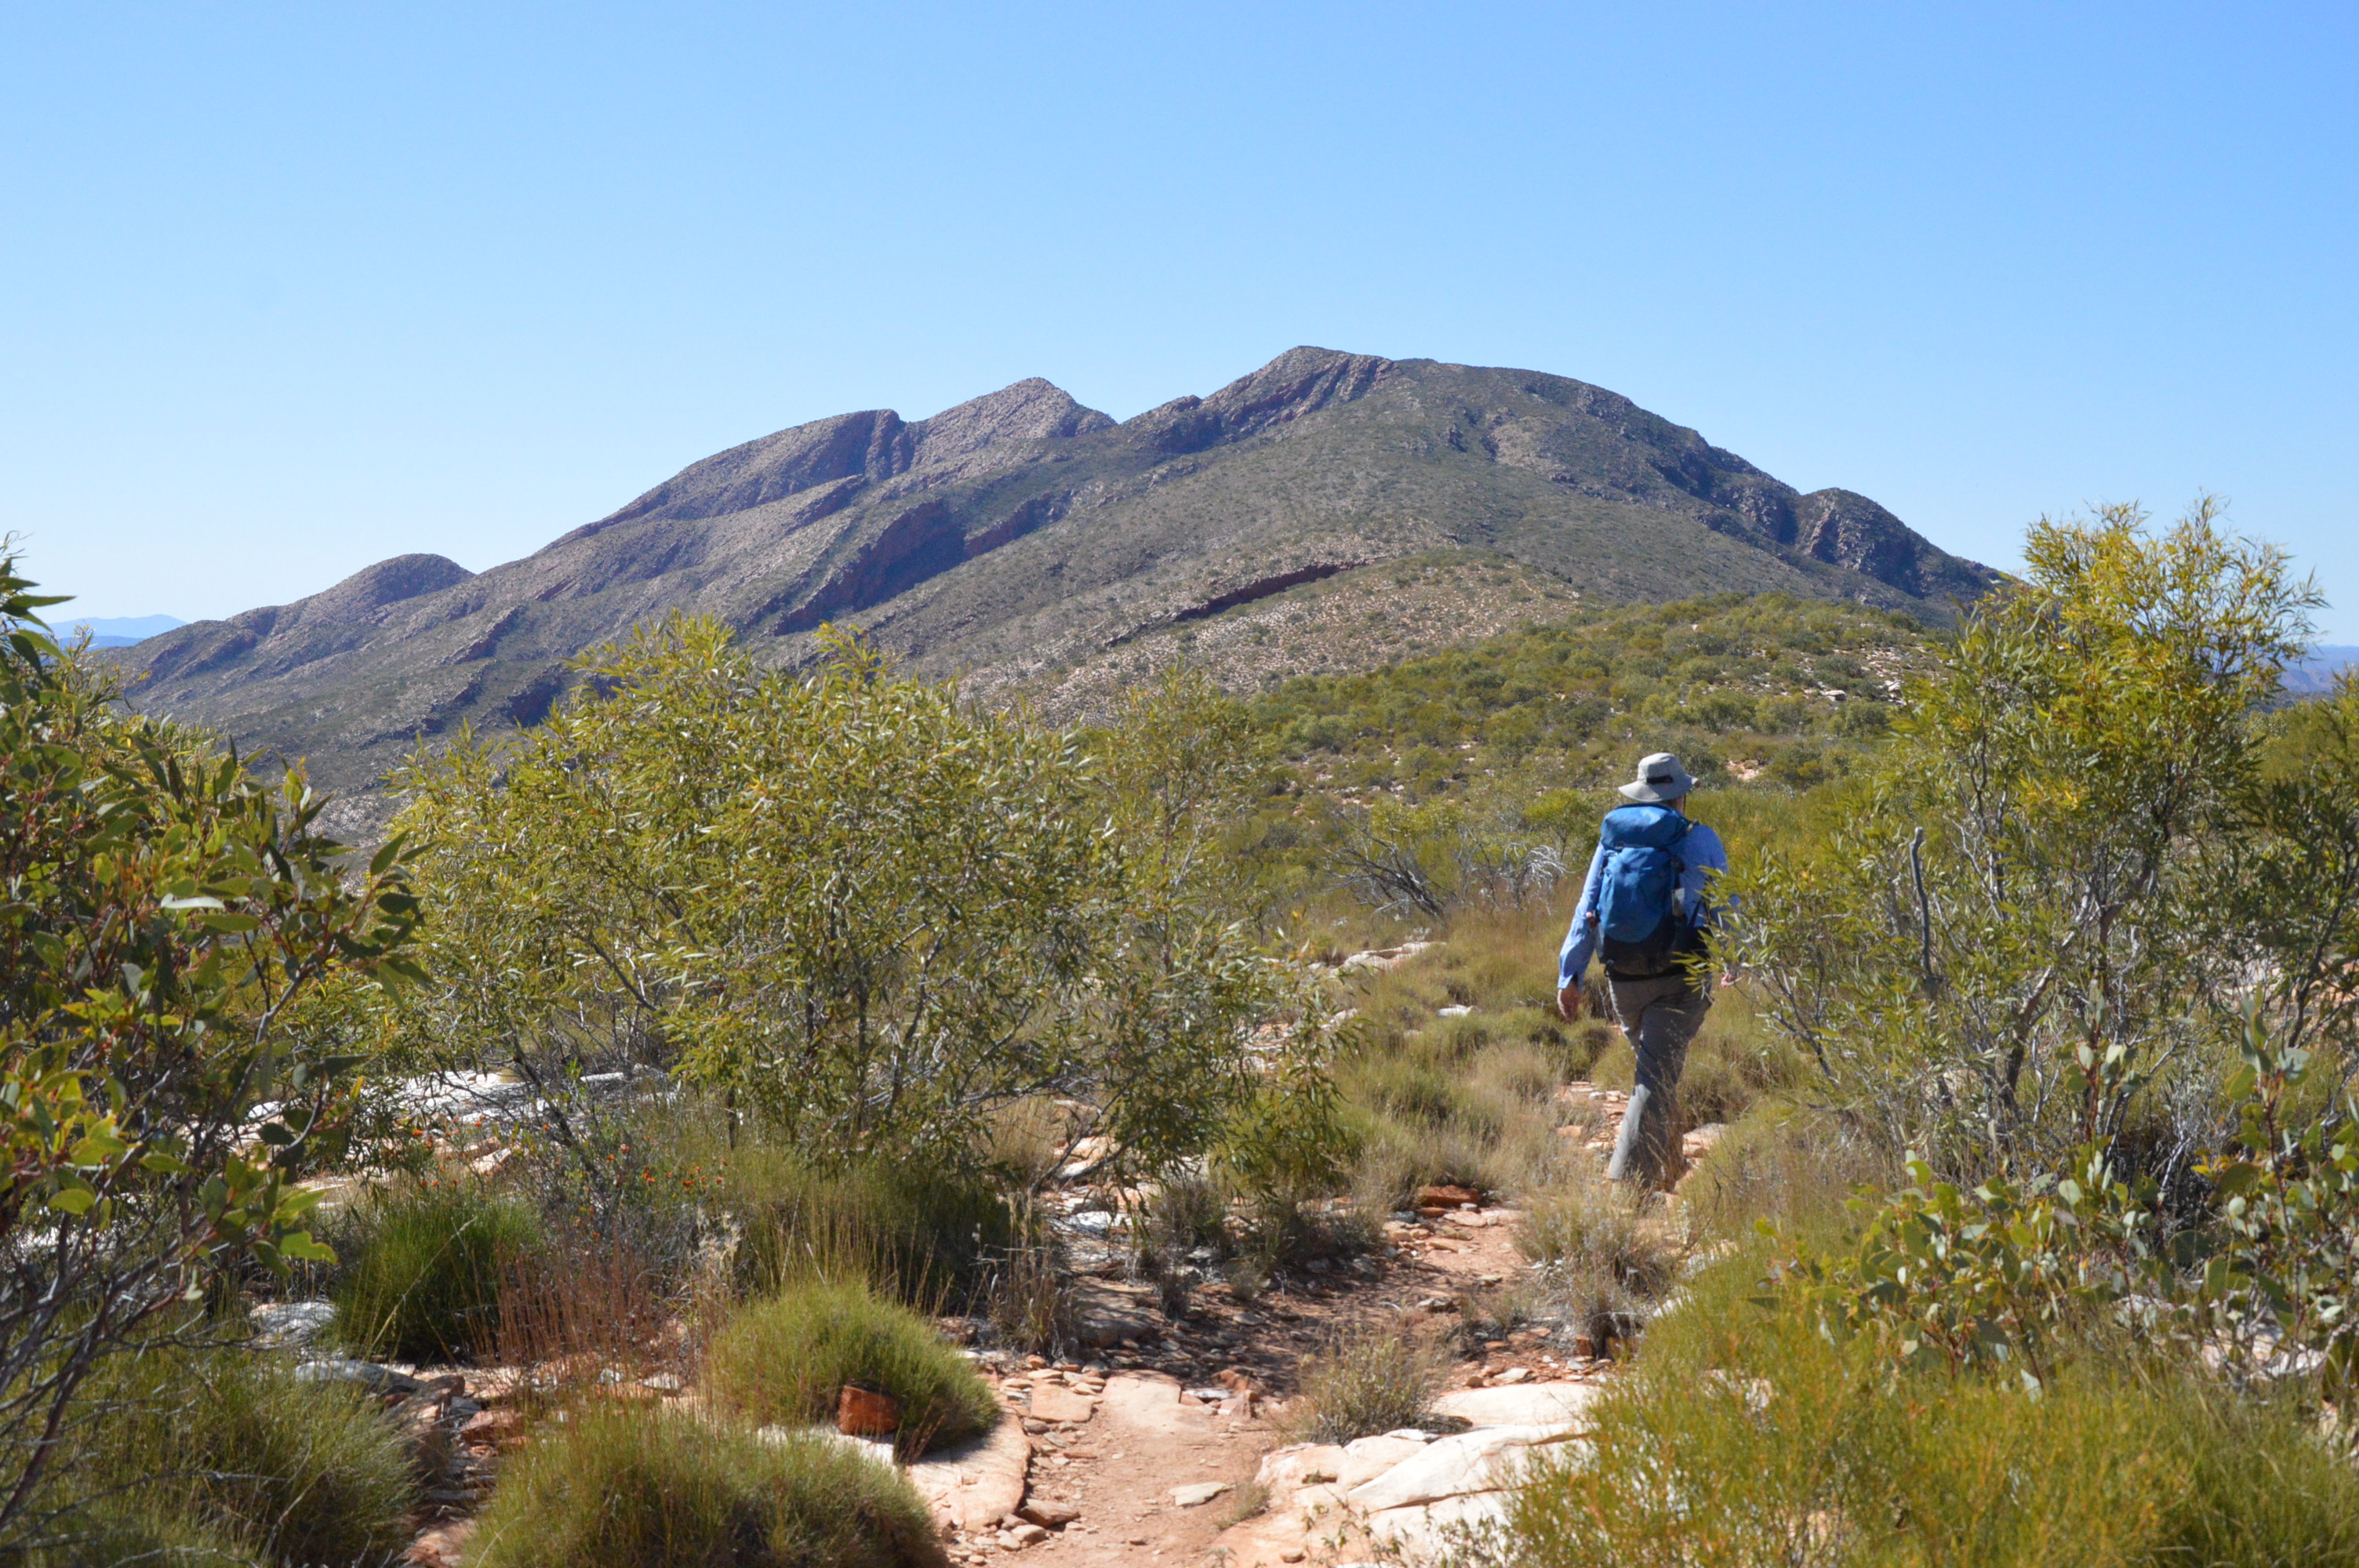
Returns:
(1644,907)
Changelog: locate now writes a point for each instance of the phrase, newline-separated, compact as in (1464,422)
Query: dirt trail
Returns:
(1119,1438)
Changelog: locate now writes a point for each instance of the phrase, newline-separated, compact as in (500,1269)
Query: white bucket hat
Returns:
(1661,779)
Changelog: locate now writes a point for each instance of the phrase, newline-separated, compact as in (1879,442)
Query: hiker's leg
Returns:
(1660,1017)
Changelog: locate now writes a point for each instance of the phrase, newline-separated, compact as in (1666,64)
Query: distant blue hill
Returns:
(119,631)
(2317,673)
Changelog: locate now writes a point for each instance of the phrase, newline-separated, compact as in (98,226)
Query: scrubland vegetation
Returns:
(2031,1234)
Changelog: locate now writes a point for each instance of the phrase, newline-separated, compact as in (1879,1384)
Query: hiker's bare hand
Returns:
(1568,1003)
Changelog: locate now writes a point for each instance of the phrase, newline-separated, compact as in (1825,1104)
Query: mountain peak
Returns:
(1029,410)
(853,450)
(1298,382)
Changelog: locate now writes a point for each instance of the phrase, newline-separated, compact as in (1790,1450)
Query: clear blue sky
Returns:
(287,289)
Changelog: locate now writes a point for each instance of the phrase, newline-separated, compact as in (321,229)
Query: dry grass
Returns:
(1373,1381)
(1471,1099)
(577,1311)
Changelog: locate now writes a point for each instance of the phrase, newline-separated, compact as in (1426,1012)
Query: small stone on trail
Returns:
(1054,1515)
(1197,1493)
(1512,1375)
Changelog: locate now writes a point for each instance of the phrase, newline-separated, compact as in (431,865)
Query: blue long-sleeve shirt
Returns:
(1704,858)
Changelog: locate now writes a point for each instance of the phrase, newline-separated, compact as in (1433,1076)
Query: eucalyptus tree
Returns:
(2073,871)
(845,900)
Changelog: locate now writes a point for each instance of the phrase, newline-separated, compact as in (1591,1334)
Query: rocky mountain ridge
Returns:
(1019,535)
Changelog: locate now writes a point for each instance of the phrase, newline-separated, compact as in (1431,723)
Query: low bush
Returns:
(789,1358)
(421,1280)
(1365,1384)
(1593,1225)
(1600,1260)
(1742,1436)
(224,1453)
(641,1488)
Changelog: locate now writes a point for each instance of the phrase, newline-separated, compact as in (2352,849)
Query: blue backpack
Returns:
(1637,893)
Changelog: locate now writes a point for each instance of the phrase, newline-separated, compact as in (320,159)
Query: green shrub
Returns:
(1740,1436)
(422,1275)
(788,1359)
(641,1488)
(228,1449)
(1365,1384)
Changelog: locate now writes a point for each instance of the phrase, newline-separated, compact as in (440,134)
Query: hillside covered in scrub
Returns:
(785,1115)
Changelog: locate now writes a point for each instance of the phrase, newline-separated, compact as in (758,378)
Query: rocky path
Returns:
(1175,1449)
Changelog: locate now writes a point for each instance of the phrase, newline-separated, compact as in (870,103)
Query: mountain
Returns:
(2315,674)
(119,631)
(1046,551)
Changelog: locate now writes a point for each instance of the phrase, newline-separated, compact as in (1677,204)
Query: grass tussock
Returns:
(1591,1224)
(422,1270)
(788,1358)
(1741,1437)
(1365,1384)
(648,1489)
(222,1457)
(922,1234)
(1789,1165)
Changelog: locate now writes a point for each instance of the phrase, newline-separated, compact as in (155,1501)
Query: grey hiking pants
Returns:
(1660,1016)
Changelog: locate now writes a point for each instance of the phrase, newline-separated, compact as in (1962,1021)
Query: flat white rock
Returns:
(1560,1405)
(1483,1460)
(981,1481)
(1421,1532)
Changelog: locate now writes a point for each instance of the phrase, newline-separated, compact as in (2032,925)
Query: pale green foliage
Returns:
(1742,1437)
(2281,1283)
(853,905)
(2006,1278)
(2070,857)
